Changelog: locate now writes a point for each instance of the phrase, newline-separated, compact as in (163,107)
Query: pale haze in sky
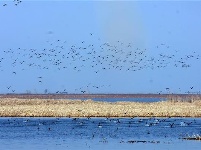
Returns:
(100,46)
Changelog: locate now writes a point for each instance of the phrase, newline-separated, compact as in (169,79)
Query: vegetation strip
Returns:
(13,107)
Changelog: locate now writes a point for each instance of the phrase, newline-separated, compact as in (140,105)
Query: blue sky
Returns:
(100,47)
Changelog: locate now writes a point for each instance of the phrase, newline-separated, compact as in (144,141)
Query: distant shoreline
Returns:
(16,107)
(90,96)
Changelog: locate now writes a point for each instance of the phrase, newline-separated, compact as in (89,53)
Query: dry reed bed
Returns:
(12,107)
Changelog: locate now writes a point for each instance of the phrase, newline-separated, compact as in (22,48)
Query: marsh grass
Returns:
(12,107)
(189,99)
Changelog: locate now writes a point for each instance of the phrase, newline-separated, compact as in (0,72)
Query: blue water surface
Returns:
(133,99)
(98,133)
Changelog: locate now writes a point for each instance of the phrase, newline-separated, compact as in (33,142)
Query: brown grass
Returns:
(12,107)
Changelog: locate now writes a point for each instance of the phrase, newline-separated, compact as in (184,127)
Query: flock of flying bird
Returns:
(84,56)
(97,57)
(16,3)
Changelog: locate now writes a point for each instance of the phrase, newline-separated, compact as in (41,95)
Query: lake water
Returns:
(98,133)
(128,99)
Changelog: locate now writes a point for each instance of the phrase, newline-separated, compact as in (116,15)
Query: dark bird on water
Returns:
(171,125)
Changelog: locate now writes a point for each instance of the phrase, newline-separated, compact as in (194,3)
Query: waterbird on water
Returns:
(171,125)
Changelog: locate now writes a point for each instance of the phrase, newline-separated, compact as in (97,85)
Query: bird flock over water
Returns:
(95,57)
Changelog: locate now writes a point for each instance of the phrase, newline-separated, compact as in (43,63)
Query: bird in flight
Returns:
(8,87)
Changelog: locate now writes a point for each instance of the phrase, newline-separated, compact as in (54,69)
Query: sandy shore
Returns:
(13,107)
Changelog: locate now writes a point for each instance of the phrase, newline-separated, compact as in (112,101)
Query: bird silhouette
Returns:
(99,57)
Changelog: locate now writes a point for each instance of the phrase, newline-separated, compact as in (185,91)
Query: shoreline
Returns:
(15,107)
(90,96)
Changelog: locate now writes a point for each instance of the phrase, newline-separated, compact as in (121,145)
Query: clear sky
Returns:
(100,46)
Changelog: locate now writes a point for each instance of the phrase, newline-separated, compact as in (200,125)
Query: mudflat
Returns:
(16,107)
